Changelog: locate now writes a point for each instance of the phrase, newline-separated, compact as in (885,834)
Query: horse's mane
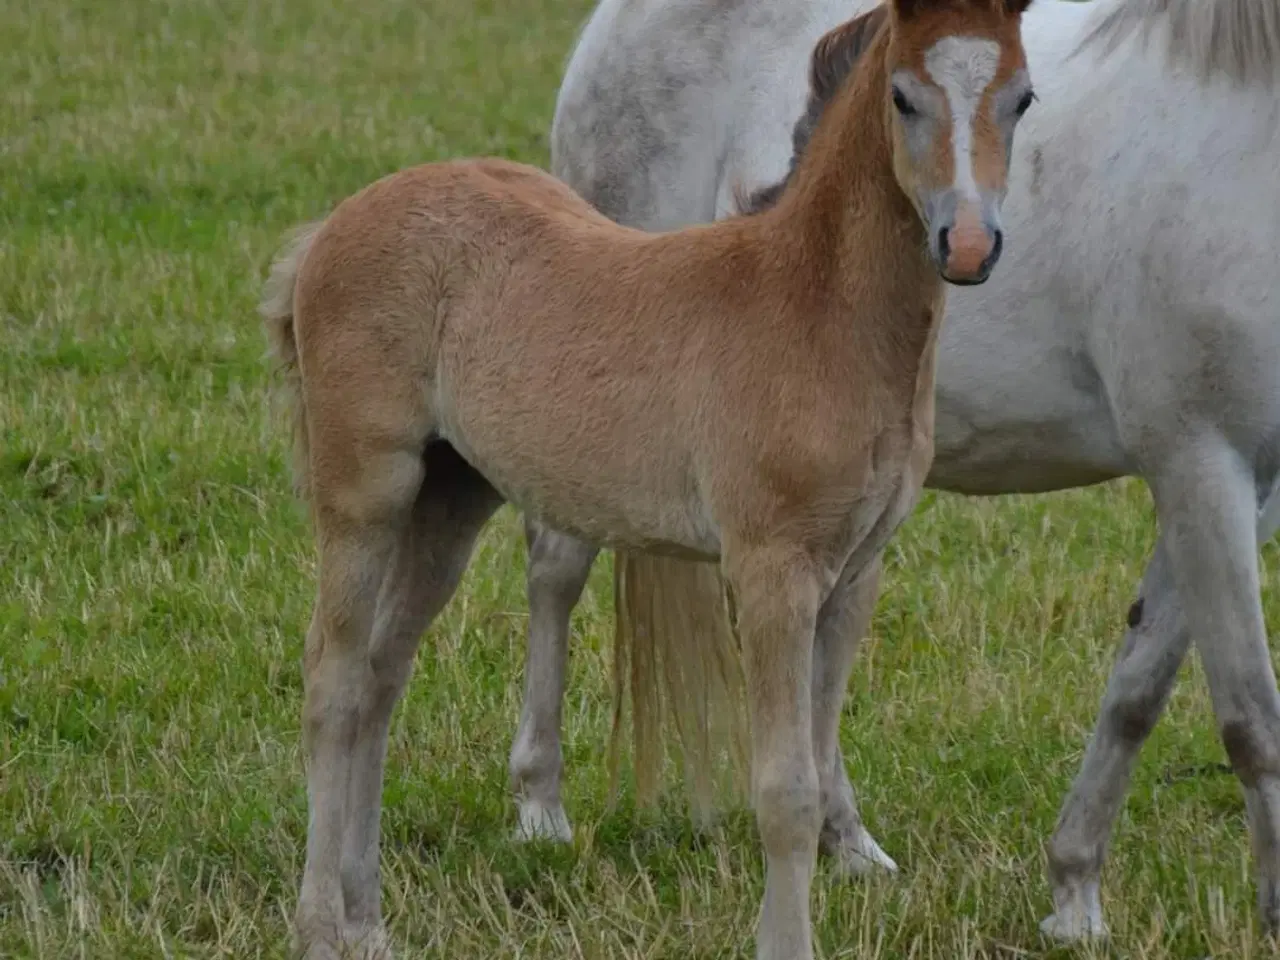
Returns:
(1239,39)
(833,59)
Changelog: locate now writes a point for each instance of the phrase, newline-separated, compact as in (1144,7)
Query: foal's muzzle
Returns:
(965,245)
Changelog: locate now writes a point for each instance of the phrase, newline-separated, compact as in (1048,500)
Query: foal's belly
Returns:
(599,493)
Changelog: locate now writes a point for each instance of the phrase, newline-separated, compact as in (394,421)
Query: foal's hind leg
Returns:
(1154,646)
(844,621)
(360,504)
(558,569)
(434,546)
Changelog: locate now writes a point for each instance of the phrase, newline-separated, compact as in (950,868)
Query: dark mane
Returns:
(834,57)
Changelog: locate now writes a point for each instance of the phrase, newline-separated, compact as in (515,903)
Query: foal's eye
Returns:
(1024,104)
(899,101)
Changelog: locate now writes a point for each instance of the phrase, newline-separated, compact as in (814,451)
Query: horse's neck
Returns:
(850,233)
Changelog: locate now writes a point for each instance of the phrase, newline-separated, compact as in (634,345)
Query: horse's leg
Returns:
(434,547)
(778,596)
(359,509)
(1154,646)
(558,569)
(1207,504)
(843,623)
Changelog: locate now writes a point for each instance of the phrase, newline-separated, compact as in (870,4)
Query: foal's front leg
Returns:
(843,622)
(778,594)
(558,569)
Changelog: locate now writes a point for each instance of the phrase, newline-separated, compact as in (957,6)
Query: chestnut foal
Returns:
(759,390)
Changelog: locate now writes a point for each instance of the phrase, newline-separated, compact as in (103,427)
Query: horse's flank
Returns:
(1238,39)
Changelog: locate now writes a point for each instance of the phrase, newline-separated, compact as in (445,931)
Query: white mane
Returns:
(1239,39)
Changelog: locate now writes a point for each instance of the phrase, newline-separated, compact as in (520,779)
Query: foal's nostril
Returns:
(994,255)
(944,245)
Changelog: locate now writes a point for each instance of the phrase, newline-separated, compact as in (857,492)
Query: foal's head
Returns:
(958,85)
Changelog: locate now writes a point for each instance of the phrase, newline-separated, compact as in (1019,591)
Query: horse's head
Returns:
(958,85)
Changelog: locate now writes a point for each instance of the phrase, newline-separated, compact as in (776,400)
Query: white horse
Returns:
(1136,331)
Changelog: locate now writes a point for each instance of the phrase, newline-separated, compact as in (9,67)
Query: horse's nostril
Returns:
(944,245)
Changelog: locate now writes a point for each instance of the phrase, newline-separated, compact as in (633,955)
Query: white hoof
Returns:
(538,822)
(1078,916)
(860,855)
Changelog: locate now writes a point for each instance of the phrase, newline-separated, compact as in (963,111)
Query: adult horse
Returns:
(462,334)
(1137,336)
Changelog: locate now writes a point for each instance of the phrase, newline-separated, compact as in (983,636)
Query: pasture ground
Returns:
(156,577)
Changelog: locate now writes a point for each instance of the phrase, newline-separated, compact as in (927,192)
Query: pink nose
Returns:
(968,248)
(969,245)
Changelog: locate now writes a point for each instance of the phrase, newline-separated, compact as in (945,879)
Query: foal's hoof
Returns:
(538,822)
(1078,917)
(858,855)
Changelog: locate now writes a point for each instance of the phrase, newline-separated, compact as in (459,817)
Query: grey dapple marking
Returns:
(1138,335)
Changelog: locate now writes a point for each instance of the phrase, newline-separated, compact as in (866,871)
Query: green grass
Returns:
(155,575)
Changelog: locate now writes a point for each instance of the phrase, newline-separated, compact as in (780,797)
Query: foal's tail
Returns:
(276,308)
(675,633)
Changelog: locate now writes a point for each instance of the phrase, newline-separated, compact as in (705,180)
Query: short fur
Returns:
(473,332)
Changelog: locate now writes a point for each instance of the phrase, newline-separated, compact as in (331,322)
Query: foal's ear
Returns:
(904,9)
(838,50)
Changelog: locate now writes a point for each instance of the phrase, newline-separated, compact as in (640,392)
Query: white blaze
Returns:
(963,67)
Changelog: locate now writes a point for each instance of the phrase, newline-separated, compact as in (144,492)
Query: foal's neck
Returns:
(847,230)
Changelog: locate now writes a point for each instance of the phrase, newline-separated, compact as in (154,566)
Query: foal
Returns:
(760,391)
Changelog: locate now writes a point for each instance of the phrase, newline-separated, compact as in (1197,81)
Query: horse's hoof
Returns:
(367,943)
(1077,915)
(543,823)
(1075,926)
(859,855)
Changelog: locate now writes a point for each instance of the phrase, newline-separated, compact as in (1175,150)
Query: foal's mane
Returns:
(1239,39)
(834,57)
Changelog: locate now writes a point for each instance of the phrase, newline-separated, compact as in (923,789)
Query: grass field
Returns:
(156,577)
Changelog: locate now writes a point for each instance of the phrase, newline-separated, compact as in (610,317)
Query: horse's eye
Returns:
(899,101)
(1024,104)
